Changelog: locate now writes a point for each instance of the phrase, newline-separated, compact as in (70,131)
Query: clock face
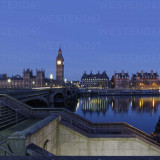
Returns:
(59,62)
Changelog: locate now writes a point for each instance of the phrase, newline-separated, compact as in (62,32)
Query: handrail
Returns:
(5,95)
(137,130)
(3,142)
(90,128)
(6,151)
(8,106)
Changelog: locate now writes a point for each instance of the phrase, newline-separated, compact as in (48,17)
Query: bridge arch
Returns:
(68,92)
(59,95)
(37,102)
(59,99)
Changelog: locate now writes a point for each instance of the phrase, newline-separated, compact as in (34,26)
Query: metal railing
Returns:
(5,150)
(16,110)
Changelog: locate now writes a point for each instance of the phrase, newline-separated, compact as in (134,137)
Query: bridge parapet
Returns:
(76,125)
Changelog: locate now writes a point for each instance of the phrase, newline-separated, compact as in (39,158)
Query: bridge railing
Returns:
(15,104)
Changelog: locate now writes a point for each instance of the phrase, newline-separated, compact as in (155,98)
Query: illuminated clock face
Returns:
(59,62)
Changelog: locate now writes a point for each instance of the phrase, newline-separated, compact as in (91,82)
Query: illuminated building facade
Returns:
(27,81)
(121,80)
(95,80)
(76,83)
(145,80)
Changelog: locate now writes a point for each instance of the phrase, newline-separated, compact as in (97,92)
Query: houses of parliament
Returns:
(28,80)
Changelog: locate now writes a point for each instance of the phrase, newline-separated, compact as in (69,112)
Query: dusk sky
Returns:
(94,35)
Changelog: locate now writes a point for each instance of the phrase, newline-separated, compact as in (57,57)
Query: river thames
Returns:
(140,112)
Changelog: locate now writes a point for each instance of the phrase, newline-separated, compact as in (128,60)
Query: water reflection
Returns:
(94,104)
(141,112)
(119,104)
(148,104)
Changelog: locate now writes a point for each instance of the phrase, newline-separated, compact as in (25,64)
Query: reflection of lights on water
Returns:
(77,106)
(100,104)
(140,103)
(153,102)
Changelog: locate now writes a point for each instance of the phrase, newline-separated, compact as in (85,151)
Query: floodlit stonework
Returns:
(71,143)
(61,140)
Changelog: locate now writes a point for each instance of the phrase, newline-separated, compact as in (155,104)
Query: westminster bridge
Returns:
(42,97)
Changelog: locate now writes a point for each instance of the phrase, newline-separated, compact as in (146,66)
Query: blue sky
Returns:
(94,35)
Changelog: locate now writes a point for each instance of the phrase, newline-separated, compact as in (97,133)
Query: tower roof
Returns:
(59,51)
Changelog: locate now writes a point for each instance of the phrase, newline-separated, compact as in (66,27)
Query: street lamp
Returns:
(9,83)
(51,79)
(33,83)
(65,80)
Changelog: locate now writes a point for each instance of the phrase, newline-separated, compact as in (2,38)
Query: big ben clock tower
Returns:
(60,67)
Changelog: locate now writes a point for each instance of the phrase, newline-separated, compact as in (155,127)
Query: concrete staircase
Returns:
(9,116)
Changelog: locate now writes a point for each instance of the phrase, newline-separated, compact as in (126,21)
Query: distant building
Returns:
(145,80)
(3,76)
(27,81)
(121,80)
(95,80)
(76,83)
(60,68)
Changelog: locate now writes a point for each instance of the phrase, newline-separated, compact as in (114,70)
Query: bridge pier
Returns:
(51,99)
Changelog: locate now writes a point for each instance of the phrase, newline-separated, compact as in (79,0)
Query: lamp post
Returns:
(9,83)
(33,84)
(65,81)
(51,79)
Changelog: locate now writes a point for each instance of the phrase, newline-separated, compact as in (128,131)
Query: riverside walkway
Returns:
(121,92)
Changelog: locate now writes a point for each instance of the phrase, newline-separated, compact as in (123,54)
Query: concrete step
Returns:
(5,108)
(11,122)
(7,115)
(6,118)
(6,111)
